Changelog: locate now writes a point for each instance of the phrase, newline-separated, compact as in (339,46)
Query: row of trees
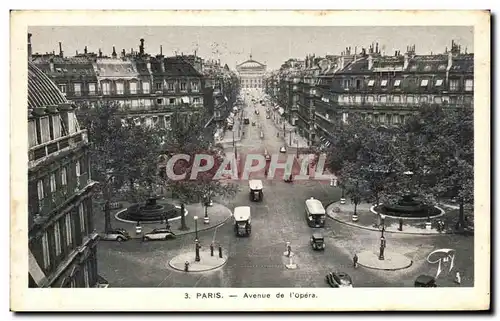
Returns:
(431,155)
(125,157)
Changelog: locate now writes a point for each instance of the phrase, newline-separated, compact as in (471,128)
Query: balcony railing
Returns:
(45,149)
(55,199)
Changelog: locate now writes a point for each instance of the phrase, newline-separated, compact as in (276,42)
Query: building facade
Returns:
(385,89)
(62,238)
(149,89)
(251,74)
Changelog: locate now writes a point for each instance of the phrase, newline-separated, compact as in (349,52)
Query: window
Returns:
(453,84)
(347,83)
(57,238)
(45,250)
(383,83)
(52,183)
(397,82)
(424,83)
(133,87)
(62,88)
(410,100)
(357,99)
(383,98)
(81,214)
(45,129)
(92,89)
(145,87)
(469,84)
(39,186)
(370,99)
(196,100)
(396,99)
(423,99)
(439,82)
(158,86)
(437,100)
(194,86)
(86,275)
(382,118)
(159,101)
(389,119)
(120,88)
(358,83)
(183,86)
(371,83)
(78,89)
(67,226)
(106,88)
(77,167)
(171,101)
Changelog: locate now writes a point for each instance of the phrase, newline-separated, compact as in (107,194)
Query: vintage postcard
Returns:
(250,160)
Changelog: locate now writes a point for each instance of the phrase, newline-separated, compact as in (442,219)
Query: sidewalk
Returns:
(289,129)
(217,213)
(369,221)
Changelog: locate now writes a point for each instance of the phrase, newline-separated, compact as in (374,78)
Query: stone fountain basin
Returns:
(436,212)
(123,217)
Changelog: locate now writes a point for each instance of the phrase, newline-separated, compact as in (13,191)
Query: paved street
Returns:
(258,261)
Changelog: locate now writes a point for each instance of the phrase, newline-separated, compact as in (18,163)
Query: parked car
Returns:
(159,234)
(117,234)
(339,280)
(253,123)
(268,116)
(256,112)
(283,149)
(425,281)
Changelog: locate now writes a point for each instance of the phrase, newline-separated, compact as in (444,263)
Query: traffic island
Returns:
(206,263)
(366,219)
(392,261)
(218,214)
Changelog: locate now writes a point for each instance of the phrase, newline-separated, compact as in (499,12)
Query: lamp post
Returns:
(206,220)
(196,228)
(382,237)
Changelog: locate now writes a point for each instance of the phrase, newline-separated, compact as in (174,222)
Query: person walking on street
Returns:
(355,260)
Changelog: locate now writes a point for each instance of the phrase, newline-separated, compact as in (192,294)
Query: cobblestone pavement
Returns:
(258,261)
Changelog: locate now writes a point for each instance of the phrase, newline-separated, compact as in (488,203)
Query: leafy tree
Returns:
(187,136)
(119,152)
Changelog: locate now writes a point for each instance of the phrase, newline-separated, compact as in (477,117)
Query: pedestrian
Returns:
(458,279)
(355,260)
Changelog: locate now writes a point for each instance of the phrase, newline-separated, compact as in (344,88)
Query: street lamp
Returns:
(206,220)
(382,237)
(196,228)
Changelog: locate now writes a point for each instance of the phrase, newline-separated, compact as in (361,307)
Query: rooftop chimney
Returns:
(123,53)
(161,50)
(100,53)
(85,50)
(376,48)
(141,47)
(61,53)
(195,53)
(29,46)
(405,63)
(450,61)
(114,52)
(51,65)
(370,62)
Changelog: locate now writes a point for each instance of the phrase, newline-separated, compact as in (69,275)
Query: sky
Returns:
(233,45)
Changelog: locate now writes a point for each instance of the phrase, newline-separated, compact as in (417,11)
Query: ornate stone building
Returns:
(251,74)
(62,238)
(385,89)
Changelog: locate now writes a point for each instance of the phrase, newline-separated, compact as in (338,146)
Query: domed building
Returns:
(61,236)
(251,73)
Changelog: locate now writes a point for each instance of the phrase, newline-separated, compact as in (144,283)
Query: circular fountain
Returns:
(149,212)
(408,207)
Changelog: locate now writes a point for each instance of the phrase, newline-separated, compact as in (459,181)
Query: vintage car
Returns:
(425,281)
(159,234)
(253,123)
(256,193)
(268,116)
(117,234)
(339,280)
(256,112)
(283,149)
(242,221)
(318,241)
